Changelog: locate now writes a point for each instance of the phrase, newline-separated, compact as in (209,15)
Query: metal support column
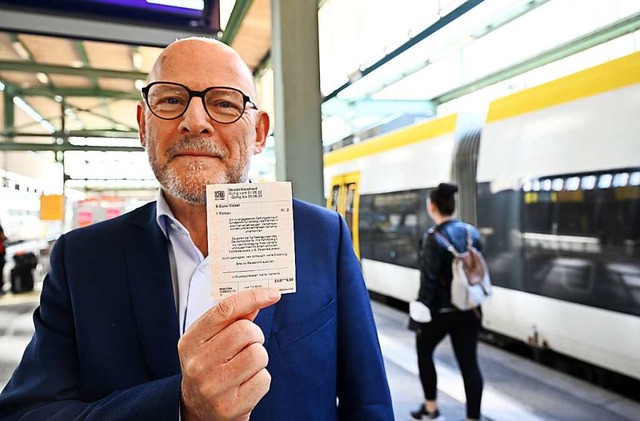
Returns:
(8,120)
(297,125)
(64,141)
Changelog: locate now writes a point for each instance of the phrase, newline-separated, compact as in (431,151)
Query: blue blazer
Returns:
(106,331)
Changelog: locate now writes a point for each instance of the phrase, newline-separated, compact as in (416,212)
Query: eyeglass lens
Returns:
(169,101)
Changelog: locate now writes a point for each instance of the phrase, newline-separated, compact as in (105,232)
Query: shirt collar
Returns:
(164,215)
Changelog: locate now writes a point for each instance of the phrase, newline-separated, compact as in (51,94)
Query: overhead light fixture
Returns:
(77,64)
(58,98)
(33,114)
(139,84)
(20,50)
(42,78)
(136,58)
(2,85)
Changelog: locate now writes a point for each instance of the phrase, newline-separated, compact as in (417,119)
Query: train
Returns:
(551,177)
(20,207)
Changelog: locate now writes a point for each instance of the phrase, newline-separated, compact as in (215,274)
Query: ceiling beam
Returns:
(52,91)
(30,67)
(240,9)
(17,147)
(82,52)
(109,133)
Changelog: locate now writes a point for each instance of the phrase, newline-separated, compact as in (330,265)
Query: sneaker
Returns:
(423,415)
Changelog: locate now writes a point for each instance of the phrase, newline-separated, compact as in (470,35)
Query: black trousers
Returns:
(463,327)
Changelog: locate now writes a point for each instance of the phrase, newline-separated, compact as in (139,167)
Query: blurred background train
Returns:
(551,177)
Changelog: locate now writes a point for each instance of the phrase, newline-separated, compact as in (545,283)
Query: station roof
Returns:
(99,80)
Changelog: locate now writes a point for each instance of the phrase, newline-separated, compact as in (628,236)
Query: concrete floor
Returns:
(515,388)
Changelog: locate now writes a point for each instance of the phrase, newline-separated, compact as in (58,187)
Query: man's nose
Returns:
(195,120)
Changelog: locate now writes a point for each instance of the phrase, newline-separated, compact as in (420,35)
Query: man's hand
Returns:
(223,360)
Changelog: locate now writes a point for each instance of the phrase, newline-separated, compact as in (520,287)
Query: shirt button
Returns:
(173,226)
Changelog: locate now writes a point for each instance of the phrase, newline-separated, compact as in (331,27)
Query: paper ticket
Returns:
(250,232)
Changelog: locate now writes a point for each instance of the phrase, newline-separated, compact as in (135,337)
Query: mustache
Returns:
(195,145)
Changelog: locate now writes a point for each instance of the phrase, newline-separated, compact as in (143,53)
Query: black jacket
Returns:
(434,262)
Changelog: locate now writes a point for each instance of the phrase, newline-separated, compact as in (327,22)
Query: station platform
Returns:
(515,388)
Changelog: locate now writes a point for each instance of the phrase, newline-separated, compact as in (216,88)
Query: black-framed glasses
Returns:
(170,100)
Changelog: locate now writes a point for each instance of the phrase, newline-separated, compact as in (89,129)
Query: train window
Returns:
(335,194)
(390,226)
(605,181)
(589,182)
(557,184)
(599,206)
(365,226)
(620,180)
(581,243)
(348,206)
(349,203)
(572,184)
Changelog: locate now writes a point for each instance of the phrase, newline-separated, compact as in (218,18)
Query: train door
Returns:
(344,199)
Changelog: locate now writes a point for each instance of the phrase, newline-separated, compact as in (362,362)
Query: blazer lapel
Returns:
(152,295)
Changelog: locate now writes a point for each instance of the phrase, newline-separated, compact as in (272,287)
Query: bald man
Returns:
(126,328)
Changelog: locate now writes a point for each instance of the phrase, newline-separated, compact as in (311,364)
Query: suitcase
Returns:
(21,280)
(22,273)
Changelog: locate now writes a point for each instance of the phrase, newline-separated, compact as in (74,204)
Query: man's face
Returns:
(193,150)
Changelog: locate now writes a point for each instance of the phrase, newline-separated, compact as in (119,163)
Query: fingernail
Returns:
(273,294)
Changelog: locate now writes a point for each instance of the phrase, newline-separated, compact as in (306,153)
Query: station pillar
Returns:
(297,125)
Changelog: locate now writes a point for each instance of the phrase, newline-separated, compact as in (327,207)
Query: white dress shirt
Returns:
(190,271)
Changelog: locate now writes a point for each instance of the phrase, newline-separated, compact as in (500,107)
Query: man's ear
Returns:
(141,124)
(262,131)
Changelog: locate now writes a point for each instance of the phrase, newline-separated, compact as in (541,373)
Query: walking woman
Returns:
(435,293)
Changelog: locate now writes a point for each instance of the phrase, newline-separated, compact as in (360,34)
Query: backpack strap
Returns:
(446,242)
(469,238)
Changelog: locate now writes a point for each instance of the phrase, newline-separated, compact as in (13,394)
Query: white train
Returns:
(20,207)
(551,177)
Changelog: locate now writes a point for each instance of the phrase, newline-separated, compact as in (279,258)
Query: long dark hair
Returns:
(443,197)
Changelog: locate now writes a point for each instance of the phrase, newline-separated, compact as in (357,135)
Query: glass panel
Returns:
(582,244)
(348,208)
(335,195)
(391,225)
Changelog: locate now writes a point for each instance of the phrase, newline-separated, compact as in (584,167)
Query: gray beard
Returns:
(191,187)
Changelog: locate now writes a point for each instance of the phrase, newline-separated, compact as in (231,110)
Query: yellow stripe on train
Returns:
(612,75)
(404,136)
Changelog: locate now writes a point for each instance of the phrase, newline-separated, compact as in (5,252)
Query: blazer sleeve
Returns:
(363,392)
(46,384)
